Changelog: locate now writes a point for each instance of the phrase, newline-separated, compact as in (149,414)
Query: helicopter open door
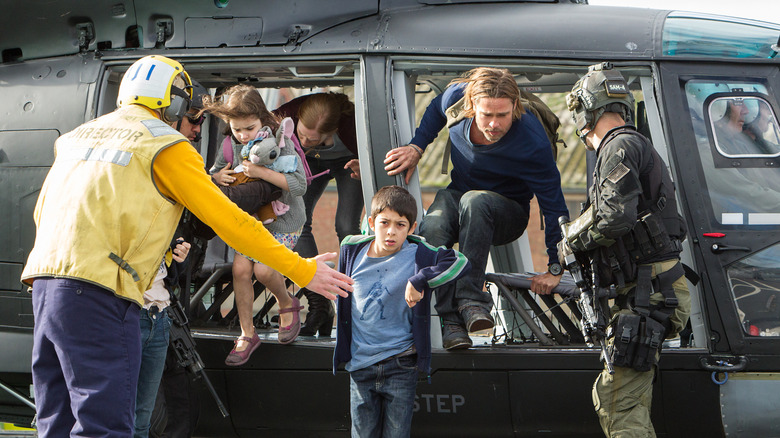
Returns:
(725,128)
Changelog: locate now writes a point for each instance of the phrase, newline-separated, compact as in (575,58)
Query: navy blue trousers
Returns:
(86,359)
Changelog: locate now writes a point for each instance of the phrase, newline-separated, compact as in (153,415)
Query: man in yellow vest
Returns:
(106,214)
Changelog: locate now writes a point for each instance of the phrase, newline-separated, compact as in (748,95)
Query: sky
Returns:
(764,10)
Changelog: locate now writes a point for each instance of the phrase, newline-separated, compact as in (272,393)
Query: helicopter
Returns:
(62,65)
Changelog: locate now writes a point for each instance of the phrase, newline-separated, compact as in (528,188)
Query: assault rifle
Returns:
(582,274)
(184,346)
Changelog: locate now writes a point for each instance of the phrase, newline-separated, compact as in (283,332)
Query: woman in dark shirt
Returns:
(325,127)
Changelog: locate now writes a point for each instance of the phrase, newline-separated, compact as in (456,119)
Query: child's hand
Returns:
(181,250)
(412,295)
(224,177)
(253,170)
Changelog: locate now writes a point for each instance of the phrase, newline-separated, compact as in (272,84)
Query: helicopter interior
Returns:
(524,319)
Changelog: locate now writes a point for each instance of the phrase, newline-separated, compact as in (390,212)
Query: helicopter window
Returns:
(688,34)
(744,127)
(755,283)
(738,141)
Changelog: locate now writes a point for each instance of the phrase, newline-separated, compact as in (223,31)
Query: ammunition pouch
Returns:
(639,336)
(615,265)
(647,240)
(637,342)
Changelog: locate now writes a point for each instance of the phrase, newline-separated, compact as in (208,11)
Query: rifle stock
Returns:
(586,303)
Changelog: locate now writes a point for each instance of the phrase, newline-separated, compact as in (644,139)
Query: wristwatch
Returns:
(555,269)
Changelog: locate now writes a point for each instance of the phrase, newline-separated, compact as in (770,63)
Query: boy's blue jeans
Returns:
(381,398)
(476,220)
(155,330)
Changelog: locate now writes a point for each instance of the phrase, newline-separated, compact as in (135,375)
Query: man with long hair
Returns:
(501,158)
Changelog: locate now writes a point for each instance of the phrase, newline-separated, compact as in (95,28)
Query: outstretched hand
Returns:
(399,159)
(327,281)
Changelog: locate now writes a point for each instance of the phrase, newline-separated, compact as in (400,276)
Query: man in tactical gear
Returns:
(104,218)
(631,232)
(190,125)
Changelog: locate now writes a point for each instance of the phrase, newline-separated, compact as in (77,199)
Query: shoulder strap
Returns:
(625,129)
(227,150)
(454,115)
(445,160)
(302,157)
(454,112)
(546,116)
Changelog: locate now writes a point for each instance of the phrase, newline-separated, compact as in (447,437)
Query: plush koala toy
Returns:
(265,150)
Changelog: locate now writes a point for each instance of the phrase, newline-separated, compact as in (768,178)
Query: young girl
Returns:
(243,109)
(325,126)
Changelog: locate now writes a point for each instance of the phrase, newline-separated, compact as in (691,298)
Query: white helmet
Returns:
(149,82)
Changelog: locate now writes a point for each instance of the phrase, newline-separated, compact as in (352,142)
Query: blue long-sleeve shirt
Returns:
(518,166)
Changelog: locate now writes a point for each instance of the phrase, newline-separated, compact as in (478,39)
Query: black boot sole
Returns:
(458,344)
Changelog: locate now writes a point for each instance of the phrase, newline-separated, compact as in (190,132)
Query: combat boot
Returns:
(454,336)
(320,316)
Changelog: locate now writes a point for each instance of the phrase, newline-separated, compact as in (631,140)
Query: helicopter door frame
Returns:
(649,92)
(726,329)
(372,120)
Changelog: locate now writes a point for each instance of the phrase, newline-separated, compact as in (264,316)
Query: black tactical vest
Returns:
(659,228)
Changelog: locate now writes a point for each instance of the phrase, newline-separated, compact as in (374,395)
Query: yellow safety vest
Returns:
(99,217)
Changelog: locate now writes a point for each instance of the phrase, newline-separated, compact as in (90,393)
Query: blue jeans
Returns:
(476,220)
(381,398)
(155,331)
(86,356)
(348,209)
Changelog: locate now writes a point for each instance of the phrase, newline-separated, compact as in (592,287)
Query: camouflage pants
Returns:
(623,400)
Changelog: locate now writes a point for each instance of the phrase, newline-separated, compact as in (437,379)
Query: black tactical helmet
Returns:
(601,90)
(198,91)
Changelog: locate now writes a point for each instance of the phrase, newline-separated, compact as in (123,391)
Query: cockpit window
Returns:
(755,283)
(738,141)
(688,34)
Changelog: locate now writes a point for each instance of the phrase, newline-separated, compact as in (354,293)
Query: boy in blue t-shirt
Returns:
(383,336)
